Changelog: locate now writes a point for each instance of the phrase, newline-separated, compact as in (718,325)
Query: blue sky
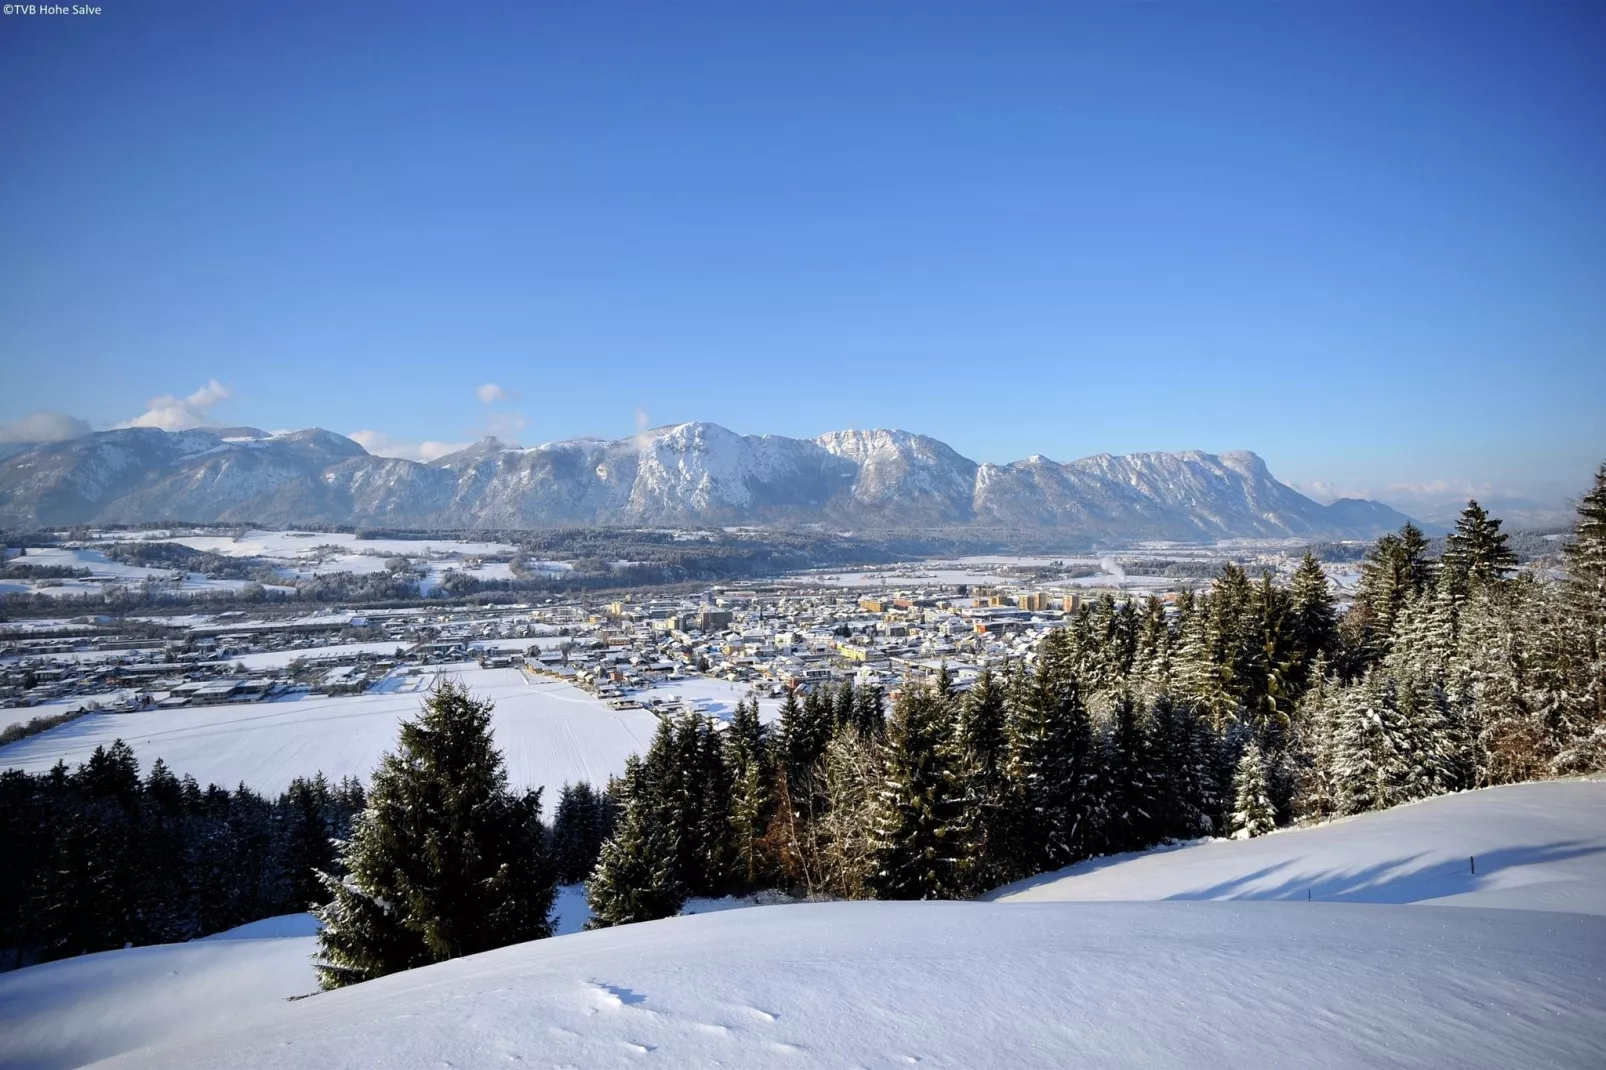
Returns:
(1367,241)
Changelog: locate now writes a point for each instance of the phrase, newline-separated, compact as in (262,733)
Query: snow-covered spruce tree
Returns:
(1182,746)
(1313,617)
(445,861)
(1253,814)
(309,848)
(982,742)
(1586,600)
(747,756)
(1395,569)
(1316,747)
(579,826)
(1370,772)
(869,710)
(804,730)
(1129,796)
(635,877)
(1152,666)
(1201,680)
(1050,771)
(1511,744)
(1476,551)
(715,789)
(922,841)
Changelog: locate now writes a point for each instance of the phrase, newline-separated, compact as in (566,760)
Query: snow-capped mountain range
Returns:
(692,473)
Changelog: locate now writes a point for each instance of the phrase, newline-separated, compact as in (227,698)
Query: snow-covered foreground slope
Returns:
(1534,846)
(1005,983)
(975,984)
(79,1010)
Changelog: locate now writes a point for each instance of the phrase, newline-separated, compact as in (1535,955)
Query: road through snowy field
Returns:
(550,732)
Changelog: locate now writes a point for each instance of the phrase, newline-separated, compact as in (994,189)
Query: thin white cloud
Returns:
(44,427)
(490,393)
(180,414)
(642,439)
(1443,489)
(505,427)
(382,445)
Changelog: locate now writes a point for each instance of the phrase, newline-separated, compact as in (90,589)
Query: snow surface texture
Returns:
(76,1011)
(1534,846)
(1004,983)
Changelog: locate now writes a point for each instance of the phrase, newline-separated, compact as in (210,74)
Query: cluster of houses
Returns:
(778,637)
(767,638)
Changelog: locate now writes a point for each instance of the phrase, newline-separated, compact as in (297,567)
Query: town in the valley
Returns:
(629,649)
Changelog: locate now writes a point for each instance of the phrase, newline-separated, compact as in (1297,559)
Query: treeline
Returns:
(1253,705)
(100,857)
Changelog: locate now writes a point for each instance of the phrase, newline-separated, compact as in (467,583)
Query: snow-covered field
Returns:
(294,554)
(291,545)
(1504,980)
(278,659)
(550,732)
(10,715)
(104,572)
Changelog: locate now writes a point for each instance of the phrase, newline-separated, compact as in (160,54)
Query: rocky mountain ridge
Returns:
(691,473)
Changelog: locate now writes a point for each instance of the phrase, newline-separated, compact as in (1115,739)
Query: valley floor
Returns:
(1397,959)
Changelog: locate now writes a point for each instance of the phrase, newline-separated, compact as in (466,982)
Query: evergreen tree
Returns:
(1369,771)
(921,837)
(1202,680)
(1315,731)
(805,729)
(981,741)
(1130,795)
(446,861)
(635,876)
(1585,592)
(579,827)
(1182,748)
(747,756)
(842,707)
(1050,771)
(309,845)
(1152,665)
(869,710)
(1253,813)
(1313,616)
(1395,569)
(1476,551)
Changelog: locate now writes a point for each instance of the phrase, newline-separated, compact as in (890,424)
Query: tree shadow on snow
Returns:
(1401,880)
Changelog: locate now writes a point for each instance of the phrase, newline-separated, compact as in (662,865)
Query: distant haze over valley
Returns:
(691,473)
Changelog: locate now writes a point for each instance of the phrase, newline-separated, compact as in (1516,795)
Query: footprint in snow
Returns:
(614,996)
